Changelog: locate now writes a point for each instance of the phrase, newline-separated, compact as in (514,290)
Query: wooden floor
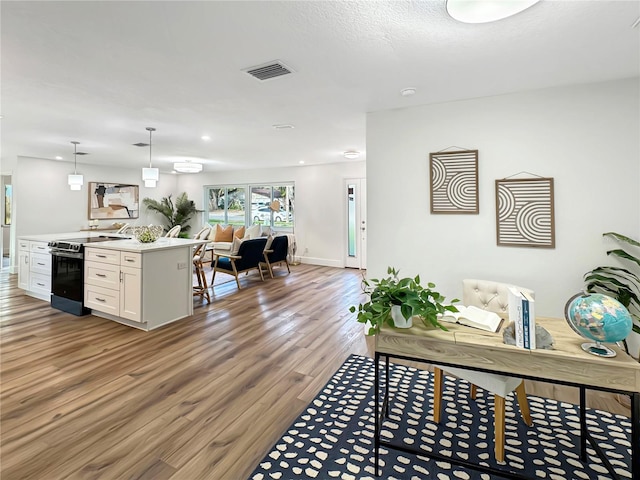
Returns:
(203,398)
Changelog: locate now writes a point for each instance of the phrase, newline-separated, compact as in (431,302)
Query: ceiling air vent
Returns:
(269,70)
(81,153)
(140,144)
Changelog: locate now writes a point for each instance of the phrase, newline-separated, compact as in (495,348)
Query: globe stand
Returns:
(598,349)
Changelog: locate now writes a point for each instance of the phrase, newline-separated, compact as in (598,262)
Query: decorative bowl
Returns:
(147,234)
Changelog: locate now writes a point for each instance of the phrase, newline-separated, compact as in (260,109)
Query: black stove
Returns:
(67,272)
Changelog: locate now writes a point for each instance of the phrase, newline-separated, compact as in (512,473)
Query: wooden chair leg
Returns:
(437,394)
(235,273)
(205,287)
(523,402)
(473,392)
(260,270)
(498,412)
(286,262)
(215,265)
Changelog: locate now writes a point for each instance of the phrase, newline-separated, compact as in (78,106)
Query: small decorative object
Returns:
(93,224)
(524,212)
(544,340)
(404,295)
(454,181)
(146,234)
(599,318)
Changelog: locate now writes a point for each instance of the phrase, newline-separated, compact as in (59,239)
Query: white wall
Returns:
(320,203)
(587,137)
(44,203)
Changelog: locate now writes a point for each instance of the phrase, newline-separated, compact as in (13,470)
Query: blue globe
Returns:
(598,317)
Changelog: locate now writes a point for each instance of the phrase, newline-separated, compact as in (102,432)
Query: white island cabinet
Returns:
(34,268)
(140,285)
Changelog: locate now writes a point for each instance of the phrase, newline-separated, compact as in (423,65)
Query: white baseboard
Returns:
(325,262)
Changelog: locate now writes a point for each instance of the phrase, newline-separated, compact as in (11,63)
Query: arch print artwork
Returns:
(454,181)
(524,212)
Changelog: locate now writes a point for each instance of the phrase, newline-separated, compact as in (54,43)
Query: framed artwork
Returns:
(113,201)
(524,212)
(454,181)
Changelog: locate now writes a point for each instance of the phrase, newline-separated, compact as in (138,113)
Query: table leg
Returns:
(635,436)
(583,424)
(376,431)
(386,386)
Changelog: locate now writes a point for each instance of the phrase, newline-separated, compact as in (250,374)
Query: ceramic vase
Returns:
(398,320)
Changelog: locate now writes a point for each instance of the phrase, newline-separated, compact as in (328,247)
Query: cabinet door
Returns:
(131,293)
(23,269)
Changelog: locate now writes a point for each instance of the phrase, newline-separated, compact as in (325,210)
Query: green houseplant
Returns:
(174,214)
(623,284)
(407,293)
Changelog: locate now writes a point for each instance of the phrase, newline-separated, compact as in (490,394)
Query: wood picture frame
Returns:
(525,212)
(113,201)
(454,182)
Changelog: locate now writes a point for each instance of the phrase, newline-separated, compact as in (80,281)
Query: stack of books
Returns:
(522,314)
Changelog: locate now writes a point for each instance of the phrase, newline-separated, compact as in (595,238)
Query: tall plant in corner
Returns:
(623,284)
(179,213)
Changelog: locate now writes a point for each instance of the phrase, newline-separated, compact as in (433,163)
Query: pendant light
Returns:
(150,175)
(75,181)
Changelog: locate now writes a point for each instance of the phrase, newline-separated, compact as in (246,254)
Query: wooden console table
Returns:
(475,349)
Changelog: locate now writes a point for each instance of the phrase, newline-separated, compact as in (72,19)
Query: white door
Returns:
(356,192)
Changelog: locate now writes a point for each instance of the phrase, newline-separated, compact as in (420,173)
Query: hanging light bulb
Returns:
(75,181)
(150,175)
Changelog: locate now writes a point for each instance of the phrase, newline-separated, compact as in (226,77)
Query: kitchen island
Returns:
(140,285)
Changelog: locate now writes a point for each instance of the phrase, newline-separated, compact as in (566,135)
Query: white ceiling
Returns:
(100,72)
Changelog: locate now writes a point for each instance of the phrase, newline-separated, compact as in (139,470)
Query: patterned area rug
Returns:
(333,438)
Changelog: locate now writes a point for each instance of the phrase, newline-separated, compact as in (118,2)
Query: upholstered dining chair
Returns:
(201,288)
(493,296)
(277,253)
(173,231)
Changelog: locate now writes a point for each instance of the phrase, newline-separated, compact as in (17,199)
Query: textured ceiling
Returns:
(100,72)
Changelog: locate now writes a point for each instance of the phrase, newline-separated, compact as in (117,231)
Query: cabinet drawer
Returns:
(39,247)
(102,275)
(102,299)
(23,244)
(40,282)
(129,259)
(41,263)
(102,255)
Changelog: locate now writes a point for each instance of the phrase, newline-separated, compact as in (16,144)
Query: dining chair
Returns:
(173,231)
(493,296)
(201,288)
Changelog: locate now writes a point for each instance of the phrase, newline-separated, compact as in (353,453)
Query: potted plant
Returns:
(623,284)
(394,301)
(174,214)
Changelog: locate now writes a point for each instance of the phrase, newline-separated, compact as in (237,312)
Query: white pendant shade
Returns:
(150,177)
(75,181)
(187,167)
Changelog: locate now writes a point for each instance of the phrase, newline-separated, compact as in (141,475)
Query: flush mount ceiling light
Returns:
(484,11)
(407,92)
(75,181)
(282,126)
(206,138)
(150,175)
(187,167)
(351,154)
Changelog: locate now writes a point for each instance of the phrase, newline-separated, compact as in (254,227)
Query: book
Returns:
(515,315)
(473,317)
(528,320)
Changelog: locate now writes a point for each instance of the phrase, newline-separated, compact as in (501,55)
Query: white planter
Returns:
(633,344)
(398,320)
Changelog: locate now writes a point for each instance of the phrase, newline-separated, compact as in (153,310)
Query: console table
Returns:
(475,349)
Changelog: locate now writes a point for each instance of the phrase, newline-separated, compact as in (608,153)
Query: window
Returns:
(271,205)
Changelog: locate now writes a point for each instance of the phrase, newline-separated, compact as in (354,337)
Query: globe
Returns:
(600,318)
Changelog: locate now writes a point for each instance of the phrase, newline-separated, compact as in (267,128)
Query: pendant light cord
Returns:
(150,129)
(75,157)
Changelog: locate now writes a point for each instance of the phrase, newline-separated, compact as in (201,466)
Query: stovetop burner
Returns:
(75,244)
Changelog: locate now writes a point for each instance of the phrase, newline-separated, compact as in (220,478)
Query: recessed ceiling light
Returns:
(58,157)
(407,92)
(282,126)
(205,137)
(301,162)
(351,154)
(475,11)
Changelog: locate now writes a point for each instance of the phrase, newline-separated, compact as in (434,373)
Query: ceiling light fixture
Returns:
(150,175)
(282,126)
(75,181)
(187,167)
(407,92)
(205,138)
(58,157)
(351,154)
(301,162)
(484,11)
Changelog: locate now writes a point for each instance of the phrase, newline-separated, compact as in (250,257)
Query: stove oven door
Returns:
(67,275)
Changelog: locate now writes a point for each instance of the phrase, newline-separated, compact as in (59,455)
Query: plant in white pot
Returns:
(623,284)
(395,301)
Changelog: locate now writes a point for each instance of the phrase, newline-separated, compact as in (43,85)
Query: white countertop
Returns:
(48,237)
(132,245)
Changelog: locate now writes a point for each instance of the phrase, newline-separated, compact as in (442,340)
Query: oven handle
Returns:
(62,253)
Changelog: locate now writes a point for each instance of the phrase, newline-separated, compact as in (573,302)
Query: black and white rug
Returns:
(333,438)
